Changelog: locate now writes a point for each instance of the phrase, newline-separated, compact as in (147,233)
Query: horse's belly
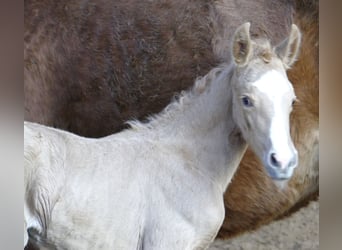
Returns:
(100,221)
(80,234)
(76,241)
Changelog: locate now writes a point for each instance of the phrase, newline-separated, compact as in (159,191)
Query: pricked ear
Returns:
(288,49)
(242,44)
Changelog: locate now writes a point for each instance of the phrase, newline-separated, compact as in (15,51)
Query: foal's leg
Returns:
(175,239)
(25,234)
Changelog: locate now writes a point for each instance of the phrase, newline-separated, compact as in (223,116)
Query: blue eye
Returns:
(246,101)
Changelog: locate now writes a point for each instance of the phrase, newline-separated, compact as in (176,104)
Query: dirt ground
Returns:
(300,231)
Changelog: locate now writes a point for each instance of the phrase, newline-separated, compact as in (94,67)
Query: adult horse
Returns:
(139,188)
(90,66)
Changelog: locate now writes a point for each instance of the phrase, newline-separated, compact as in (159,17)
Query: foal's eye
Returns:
(247,101)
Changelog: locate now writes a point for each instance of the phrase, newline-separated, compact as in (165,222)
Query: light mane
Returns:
(181,101)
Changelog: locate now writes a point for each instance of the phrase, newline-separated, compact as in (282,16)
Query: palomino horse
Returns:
(139,188)
(89,67)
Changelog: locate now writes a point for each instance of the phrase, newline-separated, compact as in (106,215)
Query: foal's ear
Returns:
(242,44)
(288,49)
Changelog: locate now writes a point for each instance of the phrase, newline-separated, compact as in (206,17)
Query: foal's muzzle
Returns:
(281,168)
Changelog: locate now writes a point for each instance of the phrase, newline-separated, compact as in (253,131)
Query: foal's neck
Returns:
(214,134)
(202,120)
(200,110)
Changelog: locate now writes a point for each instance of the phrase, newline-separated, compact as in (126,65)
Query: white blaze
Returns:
(277,88)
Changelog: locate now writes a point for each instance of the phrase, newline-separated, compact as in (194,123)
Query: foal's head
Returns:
(263,98)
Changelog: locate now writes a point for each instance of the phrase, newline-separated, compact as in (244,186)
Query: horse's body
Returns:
(160,184)
(105,60)
(89,67)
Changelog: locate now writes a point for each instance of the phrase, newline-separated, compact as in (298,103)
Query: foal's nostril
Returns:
(274,160)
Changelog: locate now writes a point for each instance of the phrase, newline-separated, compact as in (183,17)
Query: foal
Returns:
(160,184)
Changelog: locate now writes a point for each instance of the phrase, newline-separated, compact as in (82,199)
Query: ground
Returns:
(300,231)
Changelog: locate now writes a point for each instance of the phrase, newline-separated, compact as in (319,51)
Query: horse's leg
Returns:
(26,218)
(181,242)
(25,234)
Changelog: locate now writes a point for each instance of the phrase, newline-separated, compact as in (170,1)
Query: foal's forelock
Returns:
(262,49)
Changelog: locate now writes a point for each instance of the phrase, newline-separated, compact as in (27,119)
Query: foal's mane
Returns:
(181,101)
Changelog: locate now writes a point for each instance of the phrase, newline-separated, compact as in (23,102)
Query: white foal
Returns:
(160,184)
